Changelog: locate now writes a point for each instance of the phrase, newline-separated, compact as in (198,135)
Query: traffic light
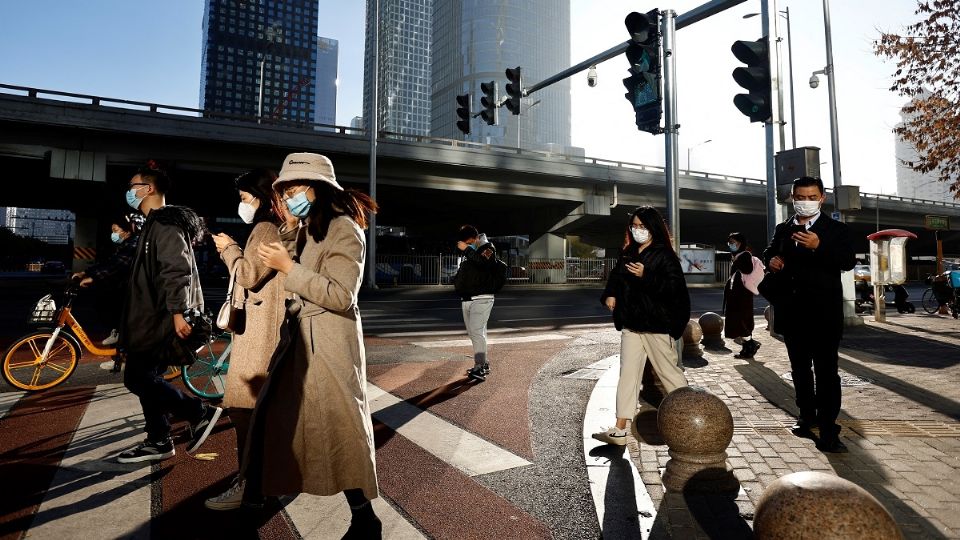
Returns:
(463,113)
(489,102)
(514,89)
(643,84)
(755,77)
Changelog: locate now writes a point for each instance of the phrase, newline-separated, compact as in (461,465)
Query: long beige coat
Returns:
(253,348)
(318,436)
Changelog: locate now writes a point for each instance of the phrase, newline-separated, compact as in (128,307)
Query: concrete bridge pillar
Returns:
(546,264)
(85,240)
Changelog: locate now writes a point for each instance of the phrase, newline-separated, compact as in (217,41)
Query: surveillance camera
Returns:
(592,77)
(814,81)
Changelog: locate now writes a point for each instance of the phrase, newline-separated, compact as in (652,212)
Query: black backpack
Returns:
(500,272)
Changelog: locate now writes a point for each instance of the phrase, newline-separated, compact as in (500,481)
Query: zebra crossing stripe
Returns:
(491,341)
(91,495)
(455,446)
(319,518)
(8,400)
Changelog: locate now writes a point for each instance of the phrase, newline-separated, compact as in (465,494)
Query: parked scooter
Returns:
(865,300)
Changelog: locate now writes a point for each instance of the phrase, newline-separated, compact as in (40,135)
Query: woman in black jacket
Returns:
(737,299)
(647,294)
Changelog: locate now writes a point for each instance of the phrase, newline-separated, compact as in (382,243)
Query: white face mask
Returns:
(246,212)
(806,208)
(640,236)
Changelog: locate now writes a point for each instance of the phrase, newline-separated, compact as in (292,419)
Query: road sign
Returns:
(936,223)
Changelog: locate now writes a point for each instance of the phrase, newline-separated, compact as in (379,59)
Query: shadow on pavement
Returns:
(620,513)
(936,402)
(898,348)
(423,401)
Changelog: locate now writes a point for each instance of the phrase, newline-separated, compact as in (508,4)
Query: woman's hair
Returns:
(654,223)
(259,183)
(740,239)
(331,202)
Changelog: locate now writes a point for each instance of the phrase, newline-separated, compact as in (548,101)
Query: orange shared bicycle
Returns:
(48,356)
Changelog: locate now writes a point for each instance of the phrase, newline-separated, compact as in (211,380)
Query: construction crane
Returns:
(290,96)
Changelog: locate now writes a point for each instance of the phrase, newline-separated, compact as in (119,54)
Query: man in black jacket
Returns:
(476,284)
(809,251)
(164,283)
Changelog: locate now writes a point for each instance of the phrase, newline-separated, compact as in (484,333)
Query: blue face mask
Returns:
(732,247)
(299,205)
(115,237)
(132,198)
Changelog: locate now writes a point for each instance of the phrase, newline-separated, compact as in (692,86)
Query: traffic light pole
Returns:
(372,118)
(671,127)
(774,128)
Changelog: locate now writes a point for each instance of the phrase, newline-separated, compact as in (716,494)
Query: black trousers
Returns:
(818,391)
(143,376)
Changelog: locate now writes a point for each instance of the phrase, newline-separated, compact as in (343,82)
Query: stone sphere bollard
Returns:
(697,427)
(828,506)
(712,326)
(692,335)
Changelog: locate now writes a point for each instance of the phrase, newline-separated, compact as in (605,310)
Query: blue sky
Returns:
(150,51)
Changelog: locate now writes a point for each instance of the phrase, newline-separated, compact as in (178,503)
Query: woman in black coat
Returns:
(738,300)
(647,293)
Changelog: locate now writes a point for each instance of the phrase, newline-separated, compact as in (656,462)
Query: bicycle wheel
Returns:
(24,368)
(929,302)
(207,376)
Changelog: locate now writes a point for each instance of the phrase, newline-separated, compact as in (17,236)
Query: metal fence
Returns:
(395,270)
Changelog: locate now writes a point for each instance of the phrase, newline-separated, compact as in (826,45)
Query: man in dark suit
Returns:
(808,252)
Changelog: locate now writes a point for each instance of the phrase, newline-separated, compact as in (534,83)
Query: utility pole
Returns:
(832,92)
(373,115)
(774,128)
(671,126)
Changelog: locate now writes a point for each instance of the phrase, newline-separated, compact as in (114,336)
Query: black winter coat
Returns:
(658,302)
(475,274)
(737,300)
(164,279)
(810,279)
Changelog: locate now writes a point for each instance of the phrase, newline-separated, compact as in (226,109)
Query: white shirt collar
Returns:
(809,223)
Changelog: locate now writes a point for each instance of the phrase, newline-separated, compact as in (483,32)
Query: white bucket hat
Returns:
(301,166)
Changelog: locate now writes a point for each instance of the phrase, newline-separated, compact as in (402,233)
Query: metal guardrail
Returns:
(100,101)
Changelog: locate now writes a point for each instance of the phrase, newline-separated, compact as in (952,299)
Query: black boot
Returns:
(364,525)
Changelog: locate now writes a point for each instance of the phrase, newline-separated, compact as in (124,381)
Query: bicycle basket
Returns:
(45,311)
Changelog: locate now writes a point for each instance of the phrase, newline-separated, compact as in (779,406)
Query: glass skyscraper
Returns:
(474,41)
(403,78)
(325,108)
(240,34)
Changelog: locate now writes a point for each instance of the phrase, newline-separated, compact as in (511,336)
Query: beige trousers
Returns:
(635,348)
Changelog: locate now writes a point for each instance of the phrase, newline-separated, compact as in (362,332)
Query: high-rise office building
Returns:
(325,108)
(474,41)
(917,185)
(251,46)
(403,77)
(51,226)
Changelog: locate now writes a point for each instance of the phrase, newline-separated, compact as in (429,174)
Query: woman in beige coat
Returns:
(313,417)
(261,291)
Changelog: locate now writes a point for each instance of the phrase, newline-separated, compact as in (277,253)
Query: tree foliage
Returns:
(928,72)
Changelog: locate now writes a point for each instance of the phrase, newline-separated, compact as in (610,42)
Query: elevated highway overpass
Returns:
(428,186)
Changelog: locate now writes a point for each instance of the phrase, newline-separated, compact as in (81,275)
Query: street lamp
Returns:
(793,108)
(832,94)
(689,148)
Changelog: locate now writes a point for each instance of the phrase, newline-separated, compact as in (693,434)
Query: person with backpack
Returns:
(746,271)
(481,274)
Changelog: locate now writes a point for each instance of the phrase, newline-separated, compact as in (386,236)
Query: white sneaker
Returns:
(231,499)
(111,339)
(612,436)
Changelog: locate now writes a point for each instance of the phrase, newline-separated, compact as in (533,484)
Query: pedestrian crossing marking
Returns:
(457,447)
(491,341)
(8,400)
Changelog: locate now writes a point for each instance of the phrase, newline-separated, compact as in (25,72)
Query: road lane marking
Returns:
(319,518)
(457,447)
(8,400)
(619,520)
(90,491)
(491,341)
